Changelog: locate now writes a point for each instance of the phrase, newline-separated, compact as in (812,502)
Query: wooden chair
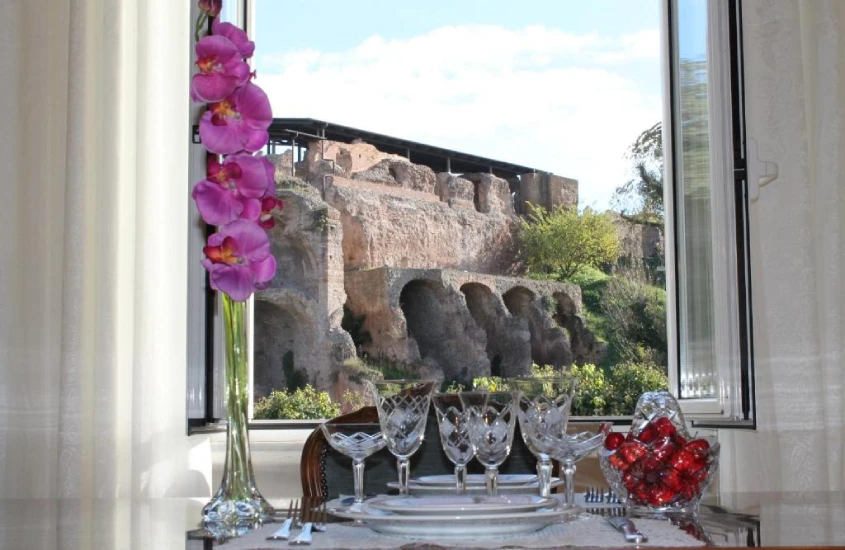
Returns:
(326,473)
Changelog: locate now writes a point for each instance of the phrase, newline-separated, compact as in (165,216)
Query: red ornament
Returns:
(631,451)
(664,427)
(660,496)
(613,441)
(664,448)
(698,446)
(672,480)
(650,463)
(618,462)
(648,433)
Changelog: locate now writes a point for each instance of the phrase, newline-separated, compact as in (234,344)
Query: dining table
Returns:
(727,520)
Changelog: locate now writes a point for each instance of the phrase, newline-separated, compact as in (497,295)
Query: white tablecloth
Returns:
(588,530)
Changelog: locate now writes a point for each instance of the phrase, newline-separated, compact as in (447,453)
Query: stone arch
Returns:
(438,321)
(549,342)
(508,340)
(281,348)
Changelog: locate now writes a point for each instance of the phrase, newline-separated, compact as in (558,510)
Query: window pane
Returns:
(698,375)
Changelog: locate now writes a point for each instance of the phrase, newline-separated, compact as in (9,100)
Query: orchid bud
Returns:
(211,7)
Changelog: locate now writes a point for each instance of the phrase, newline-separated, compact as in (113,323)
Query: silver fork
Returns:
(320,523)
(283,533)
(304,536)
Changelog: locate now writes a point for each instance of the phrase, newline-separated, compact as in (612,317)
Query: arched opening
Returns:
(518,300)
(487,312)
(549,342)
(278,348)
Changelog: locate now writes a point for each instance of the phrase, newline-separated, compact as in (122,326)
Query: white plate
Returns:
(477,479)
(454,526)
(462,504)
(472,489)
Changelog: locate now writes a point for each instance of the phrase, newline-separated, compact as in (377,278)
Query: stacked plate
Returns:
(456,516)
(445,484)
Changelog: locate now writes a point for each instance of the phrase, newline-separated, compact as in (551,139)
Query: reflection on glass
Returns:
(694,205)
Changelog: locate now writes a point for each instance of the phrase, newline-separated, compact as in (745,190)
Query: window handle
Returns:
(760,172)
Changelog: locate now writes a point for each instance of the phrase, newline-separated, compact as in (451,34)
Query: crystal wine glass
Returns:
(569,449)
(453,426)
(544,406)
(491,425)
(402,412)
(357,441)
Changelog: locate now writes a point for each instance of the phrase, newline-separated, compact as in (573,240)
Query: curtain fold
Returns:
(93,215)
(795,84)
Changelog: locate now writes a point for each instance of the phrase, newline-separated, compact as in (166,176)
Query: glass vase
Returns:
(238,505)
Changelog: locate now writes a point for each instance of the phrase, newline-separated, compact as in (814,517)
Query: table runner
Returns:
(586,531)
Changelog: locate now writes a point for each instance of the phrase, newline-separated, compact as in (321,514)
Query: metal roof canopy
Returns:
(286,131)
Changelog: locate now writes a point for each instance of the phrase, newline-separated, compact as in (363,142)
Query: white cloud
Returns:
(535,96)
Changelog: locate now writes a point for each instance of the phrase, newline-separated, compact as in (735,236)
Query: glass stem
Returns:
(238,466)
(492,479)
(358,469)
(544,475)
(569,474)
(460,479)
(404,474)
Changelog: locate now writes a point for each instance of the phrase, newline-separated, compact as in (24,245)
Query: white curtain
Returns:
(93,222)
(795,86)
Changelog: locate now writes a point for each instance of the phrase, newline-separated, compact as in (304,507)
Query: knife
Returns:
(627,528)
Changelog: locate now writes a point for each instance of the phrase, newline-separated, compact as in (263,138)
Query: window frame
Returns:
(735,408)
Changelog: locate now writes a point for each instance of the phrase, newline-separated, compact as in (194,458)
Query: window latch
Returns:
(760,172)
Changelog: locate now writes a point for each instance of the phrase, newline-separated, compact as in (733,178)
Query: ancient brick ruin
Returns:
(424,259)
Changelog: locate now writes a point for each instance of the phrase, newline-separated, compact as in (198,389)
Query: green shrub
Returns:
(630,380)
(635,319)
(303,403)
(593,393)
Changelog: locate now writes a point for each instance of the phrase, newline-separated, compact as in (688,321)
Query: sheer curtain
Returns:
(795,85)
(93,220)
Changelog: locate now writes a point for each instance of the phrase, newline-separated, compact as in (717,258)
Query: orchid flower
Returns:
(238,259)
(221,69)
(237,123)
(245,46)
(233,189)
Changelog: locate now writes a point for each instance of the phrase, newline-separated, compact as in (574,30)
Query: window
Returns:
(710,313)
(708,355)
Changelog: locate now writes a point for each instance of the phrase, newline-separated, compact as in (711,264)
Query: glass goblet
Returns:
(491,424)
(453,426)
(569,449)
(357,441)
(543,409)
(402,412)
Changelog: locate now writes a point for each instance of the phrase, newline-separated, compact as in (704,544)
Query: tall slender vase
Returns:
(238,501)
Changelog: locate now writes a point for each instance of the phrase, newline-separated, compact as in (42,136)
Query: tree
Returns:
(641,199)
(557,243)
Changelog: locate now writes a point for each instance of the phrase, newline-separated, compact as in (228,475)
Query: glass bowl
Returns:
(659,467)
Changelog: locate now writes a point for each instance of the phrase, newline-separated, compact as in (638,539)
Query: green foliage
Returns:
(557,243)
(550,305)
(593,392)
(390,369)
(635,319)
(302,403)
(320,219)
(630,380)
(353,400)
(641,199)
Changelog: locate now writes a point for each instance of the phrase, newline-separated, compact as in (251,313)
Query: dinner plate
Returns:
(476,479)
(462,504)
(472,489)
(455,526)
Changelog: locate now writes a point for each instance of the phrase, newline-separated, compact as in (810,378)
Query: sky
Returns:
(558,85)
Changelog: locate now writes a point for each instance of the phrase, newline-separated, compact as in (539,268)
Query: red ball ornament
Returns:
(660,496)
(613,441)
(664,427)
(664,448)
(632,451)
(648,433)
(618,462)
(672,480)
(698,446)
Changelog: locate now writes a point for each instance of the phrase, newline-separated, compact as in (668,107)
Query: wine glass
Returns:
(544,405)
(357,441)
(569,449)
(491,424)
(453,426)
(402,412)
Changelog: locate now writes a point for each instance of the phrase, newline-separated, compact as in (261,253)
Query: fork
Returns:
(283,533)
(320,524)
(304,537)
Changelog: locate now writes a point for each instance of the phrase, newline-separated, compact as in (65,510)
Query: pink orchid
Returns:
(238,259)
(221,69)
(265,218)
(245,46)
(231,190)
(237,123)
(211,7)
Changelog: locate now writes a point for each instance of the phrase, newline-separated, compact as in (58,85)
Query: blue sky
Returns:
(559,85)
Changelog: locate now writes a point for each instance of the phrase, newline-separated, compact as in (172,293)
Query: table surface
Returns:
(775,520)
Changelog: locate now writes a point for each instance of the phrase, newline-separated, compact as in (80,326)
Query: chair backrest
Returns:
(326,473)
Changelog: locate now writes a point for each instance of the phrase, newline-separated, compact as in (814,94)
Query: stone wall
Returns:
(547,190)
